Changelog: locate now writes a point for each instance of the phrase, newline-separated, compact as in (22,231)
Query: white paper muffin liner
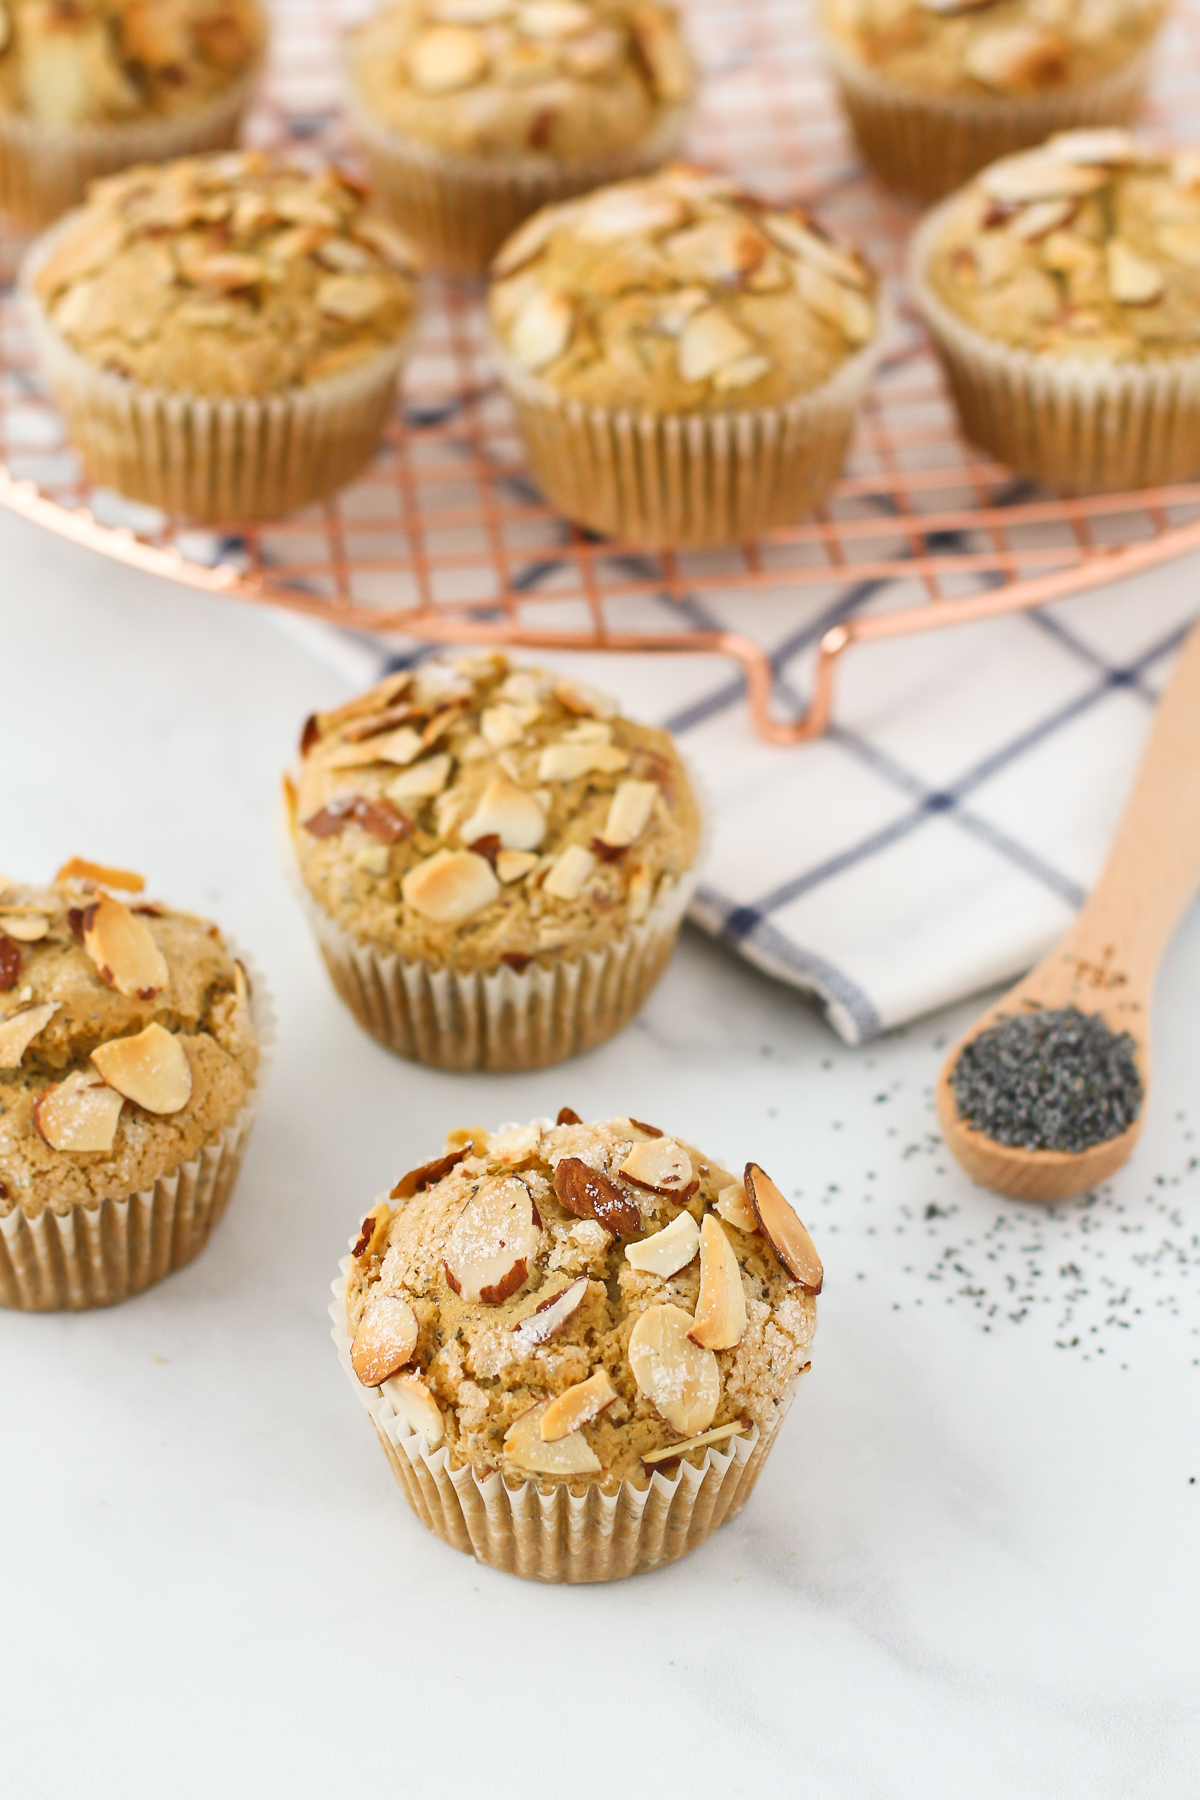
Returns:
(46,169)
(676,480)
(928,144)
(1081,425)
(213,460)
(460,209)
(89,1256)
(538,1528)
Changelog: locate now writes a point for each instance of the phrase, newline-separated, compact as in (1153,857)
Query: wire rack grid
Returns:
(446,539)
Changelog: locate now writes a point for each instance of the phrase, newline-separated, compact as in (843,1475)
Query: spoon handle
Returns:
(1153,868)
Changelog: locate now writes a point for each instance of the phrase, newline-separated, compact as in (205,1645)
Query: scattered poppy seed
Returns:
(1049,1080)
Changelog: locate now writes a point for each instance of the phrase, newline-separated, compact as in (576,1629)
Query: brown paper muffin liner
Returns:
(93,1256)
(1077,424)
(540,1529)
(46,169)
(213,460)
(928,144)
(460,209)
(680,480)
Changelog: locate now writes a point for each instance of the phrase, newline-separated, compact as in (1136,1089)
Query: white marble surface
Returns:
(971,1567)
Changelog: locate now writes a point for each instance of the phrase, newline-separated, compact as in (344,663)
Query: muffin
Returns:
(473,113)
(686,363)
(935,89)
(224,334)
(129,1078)
(91,86)
(495,862)
(1062,290)
(577,1342)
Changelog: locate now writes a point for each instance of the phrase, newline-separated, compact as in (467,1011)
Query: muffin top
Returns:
(1088,246)
(569,1301)
(126,1041)
(68,63)
(678,294)
(232,274)
(570,79)
(981,47)
(486,814)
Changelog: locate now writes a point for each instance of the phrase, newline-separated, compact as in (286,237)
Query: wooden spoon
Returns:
(1106,963)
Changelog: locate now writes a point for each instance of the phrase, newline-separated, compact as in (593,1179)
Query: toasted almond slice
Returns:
(541,330)
(1040,218)
(18,1030)
(1017,57)
(516,1145)
(709,341)
(151,1069)
(552,1314)
(528,241)
(576,1406)
(508,812)
(780,1225)
(735,1208)
(78,1114)
(588,731)
(401,746)
(1108,144)
(1132,279)
(523,1447)
(661,1166)
(669,1250)
(123,949)
(629,210)
(417,1407)
(422,781)
(578,697)
(741,374)
(589,1194)
(567,762)
(352,298)
(1035,175)
(846,310)
(799,239)
(513,865)
(639,892)
(665,53)
(554,18)
(450,886)
(446,58)
(569,875)
(225,270)
(629,811)
(716,1436)
(374,1231)
(428,1175)
(385,1340)
(506,724)
(80,869)
(26,927)
(390,243)
(680,1378)
(1181,242)
(721,1306)
(493,1242)
(599,53)
(89,245)
(717,250)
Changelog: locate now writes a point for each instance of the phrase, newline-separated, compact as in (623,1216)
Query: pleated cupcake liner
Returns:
(926,145)
(89,1256)
(687,480)
(1080,425)
(459,209)
(46,169)
(539,1529)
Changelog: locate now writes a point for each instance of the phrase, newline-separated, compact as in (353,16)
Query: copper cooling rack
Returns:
(446,539)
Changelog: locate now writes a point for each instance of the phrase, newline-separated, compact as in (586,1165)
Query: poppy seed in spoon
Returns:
(1055,1079)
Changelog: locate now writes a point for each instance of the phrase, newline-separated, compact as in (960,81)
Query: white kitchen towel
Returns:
(944,831)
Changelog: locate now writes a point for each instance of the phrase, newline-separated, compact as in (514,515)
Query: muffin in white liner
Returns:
(1062,292)
(581,1331)
(494,862)
(90,1227)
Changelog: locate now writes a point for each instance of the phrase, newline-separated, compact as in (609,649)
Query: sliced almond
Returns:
(123,949)
(845,309)
(18,1030)
(513,865)
(401,746)
(716,1436)
(450,886)
(735,1208)
(390,243)
(80,869)
(721,1306)
(151,1069)
(639,892)
(552,1314)
(422,781)
(1040,218)
(569,874)
(374,1232)
(1017,57)
(780,1225)
(508,812)
(629,210)
(1132,279)
(717,250)
(352,298)
(800,240)
(668,1250)
(629,811)
(90,244)
(1181,242)
(578,697)
(516,1145)
(385,1340)
(524,1448)
(665,54)
(541,330)
(680,1378)
(708,342)
(1111,145)
(567,762)
(494,1240)
(417,1407)
(661,1166)
(27,927)
(226,271)
(78,1114)
(576,1406)
(589,1194)
(446,58)
(428,1175)
(506,724)
(527,242)
(741,374)
(599,53)
(343,255)
(1035,175)
(588,731)
(554,18)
